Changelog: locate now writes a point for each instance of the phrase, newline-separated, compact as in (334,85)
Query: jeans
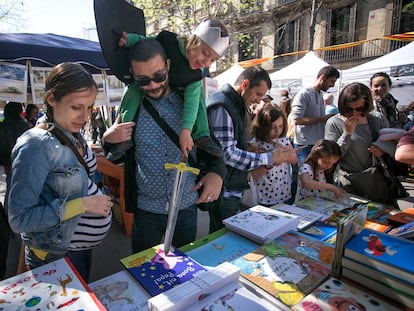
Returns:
(229,207)
(303,153)
(4,242)
(82,260)
(148,229)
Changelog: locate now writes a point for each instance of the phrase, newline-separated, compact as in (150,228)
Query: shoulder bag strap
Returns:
(66,142)
(163,124)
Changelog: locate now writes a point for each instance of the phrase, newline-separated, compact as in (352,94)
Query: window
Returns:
(286,40)
(341,25)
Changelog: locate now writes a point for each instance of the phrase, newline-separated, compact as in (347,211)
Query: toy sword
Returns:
(175,202)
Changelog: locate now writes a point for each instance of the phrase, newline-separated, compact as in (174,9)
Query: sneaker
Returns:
(207,144)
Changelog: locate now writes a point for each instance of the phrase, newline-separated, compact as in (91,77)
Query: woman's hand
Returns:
(351,124)
(119,132)
(212,184)
(99,204)
(376,152)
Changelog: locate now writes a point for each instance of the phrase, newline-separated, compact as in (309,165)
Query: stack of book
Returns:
(261,224)
(383,263)
(216,289)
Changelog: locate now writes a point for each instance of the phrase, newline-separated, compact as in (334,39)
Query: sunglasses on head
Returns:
(358,109)
(157,78)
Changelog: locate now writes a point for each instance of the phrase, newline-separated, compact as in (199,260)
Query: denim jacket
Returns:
(45,176)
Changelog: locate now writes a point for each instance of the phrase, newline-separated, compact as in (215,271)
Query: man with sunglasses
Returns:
(151,182)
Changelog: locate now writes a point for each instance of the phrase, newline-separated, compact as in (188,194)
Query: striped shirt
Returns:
(91,229)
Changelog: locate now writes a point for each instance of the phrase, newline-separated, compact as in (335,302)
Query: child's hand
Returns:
(123,40)
(186,142)
(339,192)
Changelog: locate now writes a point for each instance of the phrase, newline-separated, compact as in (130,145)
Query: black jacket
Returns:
(10,130)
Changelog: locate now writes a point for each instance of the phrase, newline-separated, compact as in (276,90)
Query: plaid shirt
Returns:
(223,129)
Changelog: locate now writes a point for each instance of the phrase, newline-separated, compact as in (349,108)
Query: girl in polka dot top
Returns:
(323,157)
(269,132)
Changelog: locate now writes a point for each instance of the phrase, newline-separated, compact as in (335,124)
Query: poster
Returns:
(13,82)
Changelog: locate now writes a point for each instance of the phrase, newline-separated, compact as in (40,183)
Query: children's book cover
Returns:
(120,292)
(53,286)
(308,246)
(406,231)
(320,205)
(261,224)
(226,247)
(334,294)
(157,271)
(282,272)
(377,226)
(384,252)
(322,231)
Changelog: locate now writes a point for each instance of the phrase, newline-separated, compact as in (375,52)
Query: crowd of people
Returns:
(292,150)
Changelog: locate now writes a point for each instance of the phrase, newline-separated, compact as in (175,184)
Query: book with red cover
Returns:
(53,286)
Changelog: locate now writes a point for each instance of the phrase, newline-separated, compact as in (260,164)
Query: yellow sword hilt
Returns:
(182,167)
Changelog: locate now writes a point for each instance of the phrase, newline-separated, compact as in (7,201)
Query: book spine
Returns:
(379,265)
(384,278)
(378,287)
(188,293)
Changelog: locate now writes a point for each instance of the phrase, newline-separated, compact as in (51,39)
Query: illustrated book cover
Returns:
(322,206)
(157,272)
(282,272)
(53,286)
(215,289)
(120,292)
(335,294)
(384,252)
(261,224)
(404,231)
(226,247)
(322,231)
(306,217)
(348,227)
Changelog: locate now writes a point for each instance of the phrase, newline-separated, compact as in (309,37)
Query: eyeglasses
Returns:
(357,109)
(157,78)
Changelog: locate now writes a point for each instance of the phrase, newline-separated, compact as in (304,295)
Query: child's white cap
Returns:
(211,35)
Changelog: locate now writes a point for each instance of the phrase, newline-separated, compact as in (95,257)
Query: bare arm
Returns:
(309,183)
(312,120)
(405,154)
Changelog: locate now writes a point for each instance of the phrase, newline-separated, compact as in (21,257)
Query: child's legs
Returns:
(201,128)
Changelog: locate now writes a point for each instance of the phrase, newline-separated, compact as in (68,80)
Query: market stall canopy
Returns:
(399,64)
(50,49)
(297,75)
(229,76)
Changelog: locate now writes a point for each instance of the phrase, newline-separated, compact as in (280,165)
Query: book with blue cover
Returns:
(322,231)
(157,271)
(384,252)
(226,247)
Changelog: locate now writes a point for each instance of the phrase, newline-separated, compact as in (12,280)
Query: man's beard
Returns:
(151,93)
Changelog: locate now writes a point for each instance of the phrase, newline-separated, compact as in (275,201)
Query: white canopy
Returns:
(297,75)
(229,76)
(399,64)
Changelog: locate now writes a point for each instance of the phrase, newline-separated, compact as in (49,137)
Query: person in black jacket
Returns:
(10,129)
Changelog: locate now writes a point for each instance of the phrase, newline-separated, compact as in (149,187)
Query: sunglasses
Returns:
(357,109)
(157,78)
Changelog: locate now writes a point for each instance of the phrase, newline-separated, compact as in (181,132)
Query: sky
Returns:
(62,17)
